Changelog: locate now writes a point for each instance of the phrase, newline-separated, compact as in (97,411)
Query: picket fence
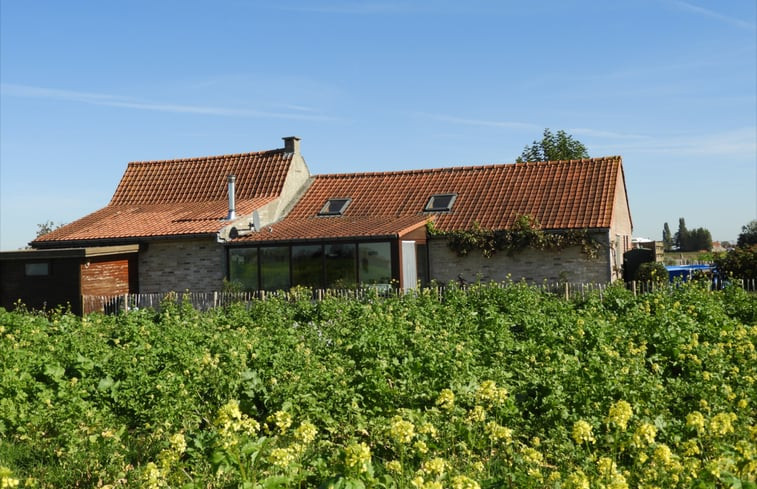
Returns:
(113,304)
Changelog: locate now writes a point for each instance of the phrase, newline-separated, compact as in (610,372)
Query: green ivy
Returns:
(525,233)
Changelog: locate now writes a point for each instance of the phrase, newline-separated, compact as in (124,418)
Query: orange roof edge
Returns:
(413,227)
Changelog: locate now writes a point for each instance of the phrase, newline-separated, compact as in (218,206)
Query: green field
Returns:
(485,387)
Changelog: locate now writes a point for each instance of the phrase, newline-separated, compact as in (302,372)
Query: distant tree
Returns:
(552,147)
(47,227)
(667,238)
(748,236)
(692,240)
(699,239)
(681,238)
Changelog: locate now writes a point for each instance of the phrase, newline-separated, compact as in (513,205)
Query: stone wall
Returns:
(568,265)
(195,265)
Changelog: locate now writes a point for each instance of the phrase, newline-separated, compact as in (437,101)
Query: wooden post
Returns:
(633,287)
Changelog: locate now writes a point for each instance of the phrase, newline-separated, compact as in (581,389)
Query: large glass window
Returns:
(243,267)
(341,270)
(274,267)
(307,266)
(375,263)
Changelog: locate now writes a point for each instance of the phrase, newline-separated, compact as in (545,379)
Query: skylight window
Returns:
(440,203)
(335,207)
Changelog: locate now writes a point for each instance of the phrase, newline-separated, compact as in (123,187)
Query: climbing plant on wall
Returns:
(526,232)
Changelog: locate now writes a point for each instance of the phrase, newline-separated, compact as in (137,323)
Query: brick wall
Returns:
(568,265)
(195,265)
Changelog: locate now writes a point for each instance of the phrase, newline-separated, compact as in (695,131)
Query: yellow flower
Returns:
(434,466)
(577,480)
(463,482)
(6,479)
(645,434)
(489,393)
(582,432)
(690,448)
(394,466)
(358,456)
(282,419)
(720,424)
(532,455)
(446,399)
(281,457)
(619,415)
(402,431)
(420,446)
(178,443)
(306,432)
(499,433)
(152,477)
(427,429)
(617,481)
(477,414)
(695,420)
(417,482)
(663,455)
(606,466)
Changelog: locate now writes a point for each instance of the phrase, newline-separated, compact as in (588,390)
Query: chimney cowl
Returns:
(291,144)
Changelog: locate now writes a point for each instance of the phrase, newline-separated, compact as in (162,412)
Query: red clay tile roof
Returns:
(574,194)
(179,198)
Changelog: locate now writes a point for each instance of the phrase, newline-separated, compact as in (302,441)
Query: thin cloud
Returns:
(736,143)
(598,133)
(127,103)
(480,122)
(712,14)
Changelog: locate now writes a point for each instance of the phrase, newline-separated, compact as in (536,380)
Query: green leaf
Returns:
(275,482)
(105,383)
(54,371)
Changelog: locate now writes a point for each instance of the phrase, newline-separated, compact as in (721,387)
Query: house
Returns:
(262,221)
(372,227)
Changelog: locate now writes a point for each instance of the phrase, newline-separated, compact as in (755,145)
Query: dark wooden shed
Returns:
(42,279)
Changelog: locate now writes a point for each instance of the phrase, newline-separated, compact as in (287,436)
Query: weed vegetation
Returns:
(479,388)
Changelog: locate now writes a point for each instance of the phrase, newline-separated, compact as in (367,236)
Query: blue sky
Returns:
(669,85)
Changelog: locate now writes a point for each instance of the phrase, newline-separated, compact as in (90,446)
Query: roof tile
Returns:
(179,197)
(572,194)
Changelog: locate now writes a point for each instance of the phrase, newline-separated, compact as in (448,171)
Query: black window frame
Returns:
(430,207)
(326,212)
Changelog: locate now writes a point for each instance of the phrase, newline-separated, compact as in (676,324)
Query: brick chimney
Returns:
(292,144)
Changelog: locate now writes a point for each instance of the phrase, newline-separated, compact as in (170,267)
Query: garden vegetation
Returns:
(492,386)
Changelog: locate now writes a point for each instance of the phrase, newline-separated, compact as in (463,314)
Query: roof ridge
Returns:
(459,168)
(207,158)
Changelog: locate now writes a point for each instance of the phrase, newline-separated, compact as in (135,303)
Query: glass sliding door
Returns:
(243,268)
(341,265)
(375,263)
(307,266)
(274,268)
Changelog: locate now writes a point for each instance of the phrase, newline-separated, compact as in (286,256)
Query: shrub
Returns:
(738,263)
(652,271)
